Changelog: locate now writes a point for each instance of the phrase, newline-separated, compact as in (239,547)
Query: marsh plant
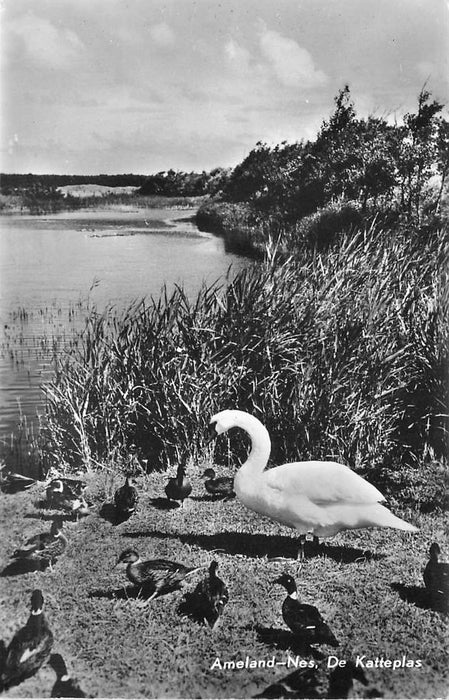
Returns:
(342,355)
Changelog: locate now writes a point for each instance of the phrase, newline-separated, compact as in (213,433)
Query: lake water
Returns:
(49,264)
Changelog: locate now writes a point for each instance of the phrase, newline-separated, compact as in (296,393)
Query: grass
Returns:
(375,606)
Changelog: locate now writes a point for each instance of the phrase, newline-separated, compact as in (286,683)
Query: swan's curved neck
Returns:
(260,442)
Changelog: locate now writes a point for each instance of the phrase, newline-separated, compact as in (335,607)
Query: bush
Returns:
(325,226)
(218,217)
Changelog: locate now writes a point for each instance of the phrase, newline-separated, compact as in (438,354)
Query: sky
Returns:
(139,86)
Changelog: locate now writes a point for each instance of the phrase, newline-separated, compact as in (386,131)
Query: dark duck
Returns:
(305,683)
(65,686)
(220,486)
(436,576)
(46,547)
(29,648)
(11,482)
(125,500)
(179,487)
(302,683)
(154,576)
(211,595)
(304,620)
(341,680)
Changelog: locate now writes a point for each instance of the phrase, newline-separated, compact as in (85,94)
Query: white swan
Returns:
(321,498)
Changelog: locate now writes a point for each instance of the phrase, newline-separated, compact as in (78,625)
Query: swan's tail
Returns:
(382,517)
(359,515)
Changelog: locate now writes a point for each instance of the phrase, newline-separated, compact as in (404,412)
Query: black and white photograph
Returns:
(224,349)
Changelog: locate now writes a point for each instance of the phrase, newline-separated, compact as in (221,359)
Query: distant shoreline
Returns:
(19,206)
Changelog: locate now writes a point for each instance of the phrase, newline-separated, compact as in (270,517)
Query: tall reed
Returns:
(341,354)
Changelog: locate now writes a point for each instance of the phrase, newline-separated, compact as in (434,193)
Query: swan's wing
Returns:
(322,483)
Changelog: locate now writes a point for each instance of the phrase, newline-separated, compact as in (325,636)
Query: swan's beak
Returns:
(211,432)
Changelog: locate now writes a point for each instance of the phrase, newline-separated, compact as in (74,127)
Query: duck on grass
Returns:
(202,587)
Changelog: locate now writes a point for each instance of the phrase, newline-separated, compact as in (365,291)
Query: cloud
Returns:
(292,64)
(237,56)
(162,35)
(47,45)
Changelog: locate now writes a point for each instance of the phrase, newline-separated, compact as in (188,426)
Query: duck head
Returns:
(180,473)
(213,568)
(209,474)
(37,602)
(434,551)
(59,666)
(288,582)
(57,486)
(129,556)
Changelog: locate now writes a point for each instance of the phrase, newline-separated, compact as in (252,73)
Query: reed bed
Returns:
(341,354)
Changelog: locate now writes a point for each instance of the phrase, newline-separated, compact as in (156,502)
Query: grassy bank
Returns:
(375,605)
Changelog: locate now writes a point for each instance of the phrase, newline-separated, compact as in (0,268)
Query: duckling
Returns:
(11,482)
(321,498)
(29,648)
(125,499)
(436,575)
(155,576)
(304,620)
(222,486)
(212,595)
(46,547)
(178,488)
(65,686)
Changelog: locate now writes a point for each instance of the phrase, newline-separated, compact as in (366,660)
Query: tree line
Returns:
(368,161)
(167,183)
